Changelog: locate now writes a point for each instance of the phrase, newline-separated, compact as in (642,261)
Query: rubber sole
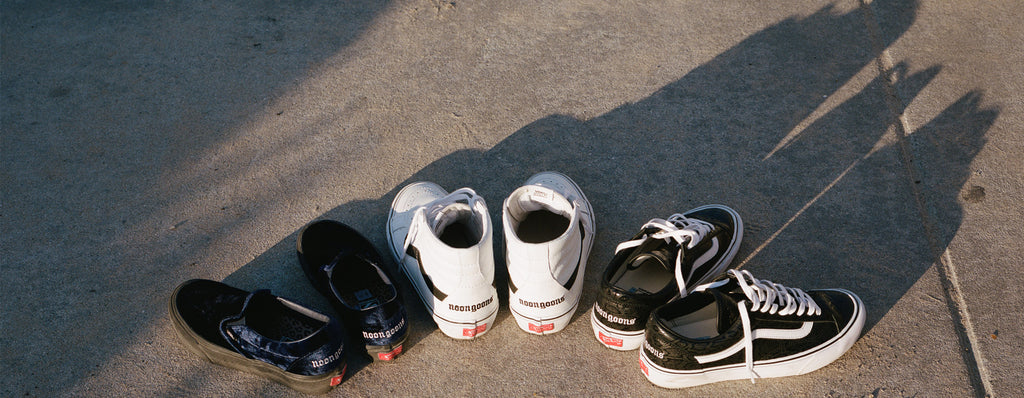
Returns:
(454,329)
(386,353)
(542,326)
(465,330)
(218,355)
(615,339)
(792,365)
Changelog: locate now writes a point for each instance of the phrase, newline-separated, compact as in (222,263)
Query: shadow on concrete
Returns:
(99,100)
(821,185)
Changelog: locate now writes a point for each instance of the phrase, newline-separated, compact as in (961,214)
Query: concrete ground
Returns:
(870,145)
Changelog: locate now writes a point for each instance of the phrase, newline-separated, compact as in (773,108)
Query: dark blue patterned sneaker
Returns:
(259,333)
(345,268)
(739,327)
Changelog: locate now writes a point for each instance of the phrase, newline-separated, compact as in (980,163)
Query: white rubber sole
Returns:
(465,330)
(537,324)
(796,364)
(540,325)
(615,339)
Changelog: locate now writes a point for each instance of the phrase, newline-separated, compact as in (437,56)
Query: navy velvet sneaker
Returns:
(260,333)
(345,268)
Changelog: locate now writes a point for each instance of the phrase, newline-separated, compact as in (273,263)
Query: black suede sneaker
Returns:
(259,333)
(741,327)
(345,268)
(666,259)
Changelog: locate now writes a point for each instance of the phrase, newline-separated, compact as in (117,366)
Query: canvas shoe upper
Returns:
(346,268)
(442,241)
(666,259)
(741,327)
(549,230)
(259,333)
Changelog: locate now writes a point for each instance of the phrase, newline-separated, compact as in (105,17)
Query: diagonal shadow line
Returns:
(911,85)
(957,306)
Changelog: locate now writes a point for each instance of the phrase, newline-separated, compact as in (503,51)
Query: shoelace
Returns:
(464,195)
(770,297)
(687,232)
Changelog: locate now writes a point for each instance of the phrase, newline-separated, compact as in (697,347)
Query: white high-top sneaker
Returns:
(549,229)
(443,244)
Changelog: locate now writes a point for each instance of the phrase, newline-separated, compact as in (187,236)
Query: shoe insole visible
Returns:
(649,276)
(541,226)
(280,323)
(366,299)
(459,235)
(359,284)
(699,324)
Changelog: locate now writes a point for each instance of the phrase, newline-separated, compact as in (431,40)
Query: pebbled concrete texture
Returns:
(969,121)
(869,145)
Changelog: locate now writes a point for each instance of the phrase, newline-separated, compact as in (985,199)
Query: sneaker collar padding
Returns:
(557,258)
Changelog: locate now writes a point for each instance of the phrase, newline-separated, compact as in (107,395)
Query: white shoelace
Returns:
(687,232)
(433,211)
(770,297)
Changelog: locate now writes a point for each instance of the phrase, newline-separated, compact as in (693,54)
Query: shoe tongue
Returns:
(653,249)
(536,197)
(728,314)
(255,305)
(258,299)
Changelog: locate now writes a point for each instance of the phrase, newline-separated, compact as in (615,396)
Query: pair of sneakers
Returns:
(270,336)
(443,243)
(668,290)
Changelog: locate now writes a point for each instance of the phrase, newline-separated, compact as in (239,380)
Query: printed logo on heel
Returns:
(609,340)
(472,332)
(643,367)
(542,327)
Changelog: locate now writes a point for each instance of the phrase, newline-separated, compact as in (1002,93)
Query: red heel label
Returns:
(609,340)
(387,356)
(472,332)
(337,379)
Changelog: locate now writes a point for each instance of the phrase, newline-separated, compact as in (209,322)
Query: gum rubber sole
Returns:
(218,355)
(386,353)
